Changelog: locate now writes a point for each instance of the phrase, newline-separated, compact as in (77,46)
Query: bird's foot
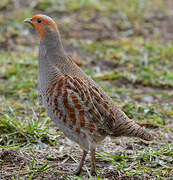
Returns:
(79,168)
(77,171)
(93,171)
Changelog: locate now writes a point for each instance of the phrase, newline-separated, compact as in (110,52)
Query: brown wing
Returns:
(89,105)
(109,119)
(86,108)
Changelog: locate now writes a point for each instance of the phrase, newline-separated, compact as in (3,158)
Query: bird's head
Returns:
(42,24)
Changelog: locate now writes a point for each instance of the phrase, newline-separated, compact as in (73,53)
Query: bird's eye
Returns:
(39,21)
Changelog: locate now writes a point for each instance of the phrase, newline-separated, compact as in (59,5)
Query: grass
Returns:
(143,162)
(124,47)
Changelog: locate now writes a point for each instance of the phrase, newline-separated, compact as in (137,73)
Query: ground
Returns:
(126,46)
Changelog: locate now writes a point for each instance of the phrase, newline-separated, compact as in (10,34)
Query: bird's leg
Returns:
(93,162)
(79,168)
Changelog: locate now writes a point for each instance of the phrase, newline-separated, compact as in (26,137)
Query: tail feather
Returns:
(142,133)
(126,127)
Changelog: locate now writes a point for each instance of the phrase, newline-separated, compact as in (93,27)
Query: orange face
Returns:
(40,22)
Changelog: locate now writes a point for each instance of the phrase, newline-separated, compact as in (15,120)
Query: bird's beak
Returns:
(28,20)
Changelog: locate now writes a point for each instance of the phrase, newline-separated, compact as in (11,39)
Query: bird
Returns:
(77,105)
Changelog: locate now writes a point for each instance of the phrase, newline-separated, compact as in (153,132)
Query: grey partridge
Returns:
(77,105)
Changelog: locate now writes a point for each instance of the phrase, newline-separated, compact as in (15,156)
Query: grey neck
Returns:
(50,49)
(52,44)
